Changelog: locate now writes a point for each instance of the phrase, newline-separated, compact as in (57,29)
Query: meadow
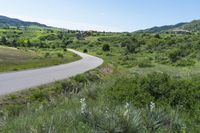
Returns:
(13,59)
(149,82)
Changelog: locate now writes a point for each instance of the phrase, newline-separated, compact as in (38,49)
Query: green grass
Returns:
(64,113)
(187,72)
(12,59)
(56,107)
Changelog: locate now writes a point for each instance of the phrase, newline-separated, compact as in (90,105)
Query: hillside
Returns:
(148,82)
(193,26)
(7,22)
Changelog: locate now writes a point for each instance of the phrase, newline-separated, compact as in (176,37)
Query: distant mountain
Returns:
(7,22)
(190,27)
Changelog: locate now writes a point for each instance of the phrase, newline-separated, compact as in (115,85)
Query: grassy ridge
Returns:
(12,59)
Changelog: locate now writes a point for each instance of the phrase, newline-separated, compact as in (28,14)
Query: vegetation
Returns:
(149,82)
(12,59)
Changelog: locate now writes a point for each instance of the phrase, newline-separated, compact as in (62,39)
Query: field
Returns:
(12,59)
(149,82)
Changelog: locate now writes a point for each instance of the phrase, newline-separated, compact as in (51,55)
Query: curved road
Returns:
(17,81)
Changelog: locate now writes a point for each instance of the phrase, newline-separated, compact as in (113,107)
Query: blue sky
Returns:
(103,15)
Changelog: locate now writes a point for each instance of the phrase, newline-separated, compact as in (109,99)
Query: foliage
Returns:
(106,47)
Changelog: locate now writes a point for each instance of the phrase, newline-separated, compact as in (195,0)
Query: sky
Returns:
(103,15)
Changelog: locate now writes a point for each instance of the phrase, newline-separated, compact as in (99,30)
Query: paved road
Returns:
(17,81)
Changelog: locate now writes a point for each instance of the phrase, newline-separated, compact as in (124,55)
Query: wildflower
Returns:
(152,106)
(127,106)
(106,113)
(126,112)
(83,106)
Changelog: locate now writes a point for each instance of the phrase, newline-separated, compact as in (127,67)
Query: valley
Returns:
(149,80)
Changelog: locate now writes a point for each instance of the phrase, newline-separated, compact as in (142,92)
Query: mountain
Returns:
(7,22)
(193,26)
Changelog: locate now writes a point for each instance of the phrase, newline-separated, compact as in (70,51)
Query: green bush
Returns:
(47,54)
(85,51)
(144,63)
(80,78)
(185,62)
(14,110)
(106,47)
(159,87)
(60,55)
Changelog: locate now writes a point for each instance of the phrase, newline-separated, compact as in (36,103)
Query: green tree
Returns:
(14,43)
(4,40)
(29,43)
(106,47)
(175,55)
(85,51)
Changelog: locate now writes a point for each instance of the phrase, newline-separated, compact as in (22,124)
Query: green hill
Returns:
(8,22)
(193,26)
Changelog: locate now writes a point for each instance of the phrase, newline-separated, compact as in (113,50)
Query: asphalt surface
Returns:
(21,80)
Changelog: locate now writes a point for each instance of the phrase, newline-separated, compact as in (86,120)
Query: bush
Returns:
(106,47)
(60,55)
(177,54)
(80,78)
(127,89)
(185,62)
(14,110)
(158,87)
(85,51)
(70,86)
(127,119)
(38,95)
(145,63)
(47,55)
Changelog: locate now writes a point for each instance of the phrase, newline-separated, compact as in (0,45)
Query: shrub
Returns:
(85,51)
(126,118)
(145,63)
(80,78)
(177,54)
(127,89)
(70,86)
(38,95)
(47,55)
(60,55)
(159,87)
(106,47)
(14,110)
(185,62)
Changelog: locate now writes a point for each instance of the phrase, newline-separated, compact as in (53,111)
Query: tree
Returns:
(60,35)
(14,43)
(175,55)
(79,36)
(29,43)
(131,44)
(106,47)
(85,51)
(4,40)
(157,36)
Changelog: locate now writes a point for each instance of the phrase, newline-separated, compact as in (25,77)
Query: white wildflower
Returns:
(106,113)
(127,106)
(83,106)
(152,106)
(126,112)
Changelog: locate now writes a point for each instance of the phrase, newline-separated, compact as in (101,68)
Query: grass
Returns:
(56,107)
(179,72)
(66,113)
(12,59)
